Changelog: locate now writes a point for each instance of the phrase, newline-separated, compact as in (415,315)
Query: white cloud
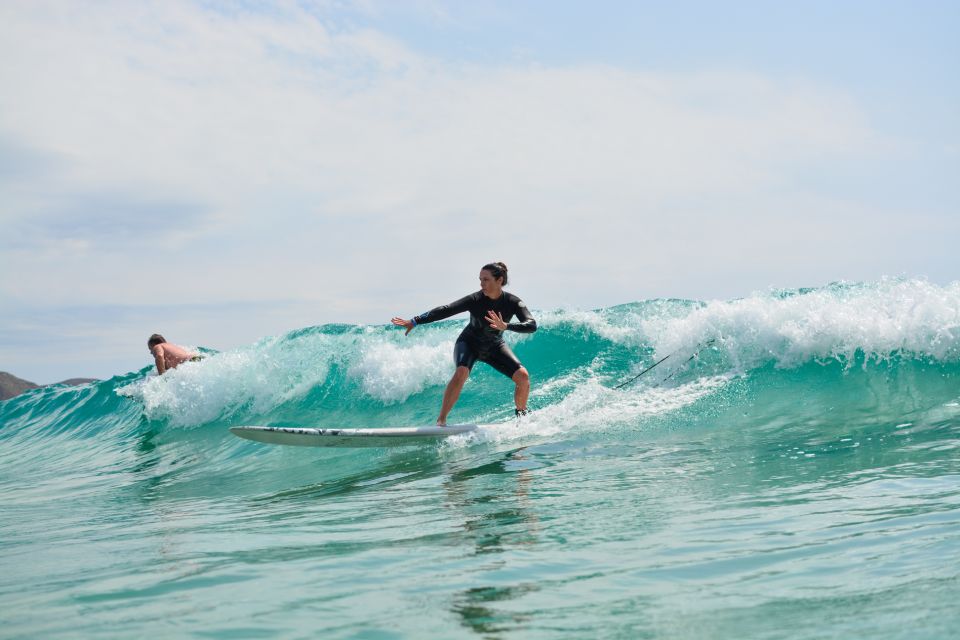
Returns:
(222,106)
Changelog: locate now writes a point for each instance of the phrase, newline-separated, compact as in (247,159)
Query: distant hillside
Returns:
(11,385)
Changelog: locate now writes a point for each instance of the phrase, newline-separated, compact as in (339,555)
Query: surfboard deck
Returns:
(387,437)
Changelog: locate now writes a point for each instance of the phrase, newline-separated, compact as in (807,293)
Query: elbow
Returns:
(529,326)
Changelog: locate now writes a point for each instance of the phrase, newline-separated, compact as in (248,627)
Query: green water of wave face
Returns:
(799,478)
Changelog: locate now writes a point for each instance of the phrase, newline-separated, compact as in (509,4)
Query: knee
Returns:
(521,377)
(460,375)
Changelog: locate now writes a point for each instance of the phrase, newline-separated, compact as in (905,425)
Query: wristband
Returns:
(414,321)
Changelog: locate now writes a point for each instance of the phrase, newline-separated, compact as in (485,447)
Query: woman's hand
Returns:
(496,320)
(400,322)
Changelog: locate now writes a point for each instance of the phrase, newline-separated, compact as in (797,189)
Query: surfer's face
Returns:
(491,287)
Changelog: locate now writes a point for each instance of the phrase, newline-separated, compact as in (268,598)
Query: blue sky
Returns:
(223,171)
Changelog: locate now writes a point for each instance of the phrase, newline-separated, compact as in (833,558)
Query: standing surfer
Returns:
(491,310)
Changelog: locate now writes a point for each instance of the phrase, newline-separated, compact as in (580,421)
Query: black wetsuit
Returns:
(480,341)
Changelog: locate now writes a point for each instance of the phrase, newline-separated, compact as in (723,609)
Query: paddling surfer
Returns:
(168,355)
(491,310)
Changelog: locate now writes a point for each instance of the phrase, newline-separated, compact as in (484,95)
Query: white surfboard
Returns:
(387,437)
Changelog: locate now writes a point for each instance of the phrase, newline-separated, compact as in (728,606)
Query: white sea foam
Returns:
(592,407)
(595,405)
(392,373)
(880,319)
(258,378)
(623,325)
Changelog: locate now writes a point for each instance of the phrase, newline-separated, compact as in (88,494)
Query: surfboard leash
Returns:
(700,347)
(623,384)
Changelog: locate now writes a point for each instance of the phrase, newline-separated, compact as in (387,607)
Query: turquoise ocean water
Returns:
(797,477)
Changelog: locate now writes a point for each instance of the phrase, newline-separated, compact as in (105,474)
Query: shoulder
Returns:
(514,299)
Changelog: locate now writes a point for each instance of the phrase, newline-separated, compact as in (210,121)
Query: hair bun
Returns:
(499,270)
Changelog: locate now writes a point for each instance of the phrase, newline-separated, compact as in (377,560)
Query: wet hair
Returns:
(155,339)
(497,270)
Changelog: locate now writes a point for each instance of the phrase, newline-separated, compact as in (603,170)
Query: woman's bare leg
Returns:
(452,392)
(522,379)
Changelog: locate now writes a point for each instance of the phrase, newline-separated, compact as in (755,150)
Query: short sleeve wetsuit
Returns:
(480,341)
